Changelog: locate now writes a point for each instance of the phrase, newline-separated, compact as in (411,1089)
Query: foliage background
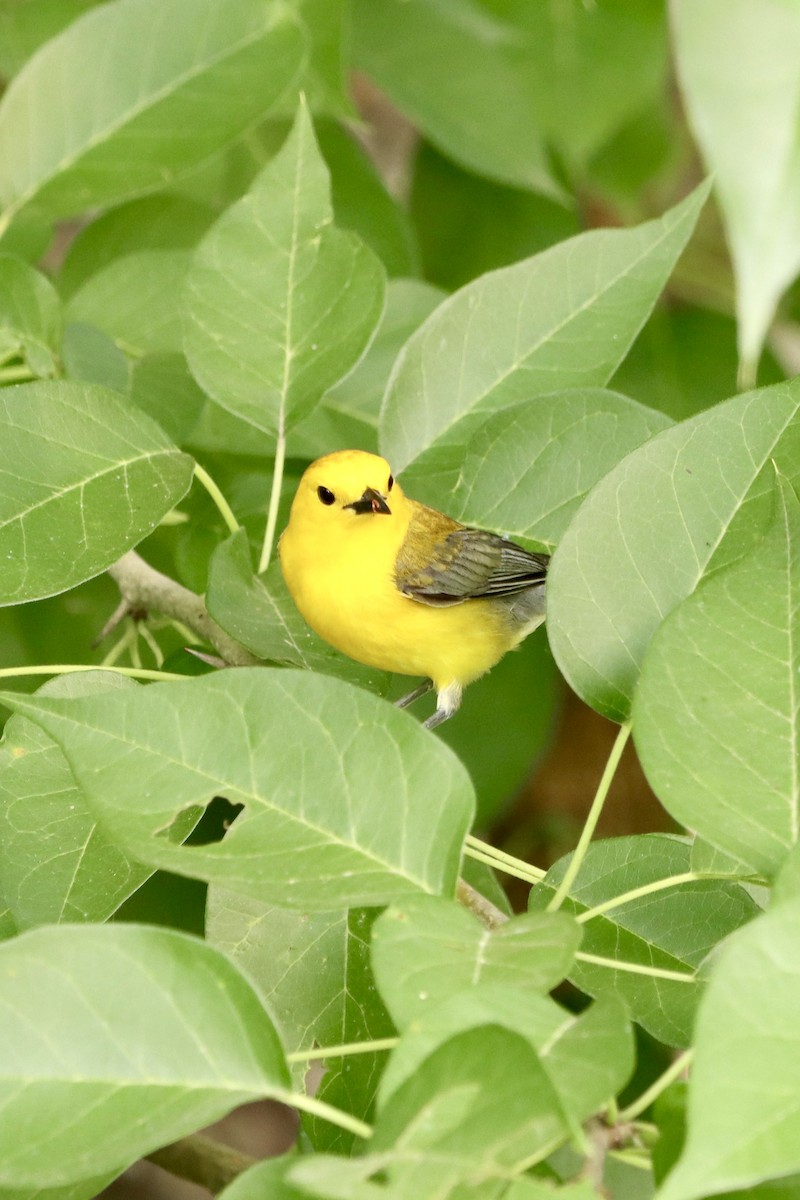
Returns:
(473,234)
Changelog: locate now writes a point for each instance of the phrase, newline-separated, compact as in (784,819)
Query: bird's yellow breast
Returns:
(342,578)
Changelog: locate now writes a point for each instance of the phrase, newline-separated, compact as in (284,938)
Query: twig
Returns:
(486,912)
(144,588)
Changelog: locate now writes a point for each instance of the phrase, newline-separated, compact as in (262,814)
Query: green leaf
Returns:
(30,317)
(56,863)
(707,859)
(87,1189)
(24,27)
(97,477)
(467,224)
(136,300)
(362,203)
(716,714)
(744,1092)
(462,77)
(562,319)
(157,1035)
(172,82)
(588,1058)
(348,412)
(323,82)
(89,356)
(577,55)
(265,1179)
(429,948)
(259,612)
(528,467)
(313,971)
(476,1113)
(325,824)
(757,178)
(160,222)
(280,304)
(674,929)
(163,387)
(688,502)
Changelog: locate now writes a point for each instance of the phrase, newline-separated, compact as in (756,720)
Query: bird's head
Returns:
(344,490)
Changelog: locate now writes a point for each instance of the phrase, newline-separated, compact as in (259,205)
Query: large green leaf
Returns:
(528,467)
(462,77)
(171,81)
(280,303)
(313,970)
(744,1092)
(562,319)
(156,1035)
(757,178)
(717,714)
(30,317)
(259,612)
(674,929)
(688,502)
(429,948)
(83,478)
(56,864)
(325,823)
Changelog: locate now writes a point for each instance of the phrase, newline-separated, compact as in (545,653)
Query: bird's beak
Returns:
(371,501)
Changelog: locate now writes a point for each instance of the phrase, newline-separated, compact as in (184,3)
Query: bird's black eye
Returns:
(390,484)
(326,496)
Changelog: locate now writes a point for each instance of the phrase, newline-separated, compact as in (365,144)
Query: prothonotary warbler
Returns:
(400,586)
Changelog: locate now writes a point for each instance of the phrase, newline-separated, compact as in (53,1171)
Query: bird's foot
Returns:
(422,690)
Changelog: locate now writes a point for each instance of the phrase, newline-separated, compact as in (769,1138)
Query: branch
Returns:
(202,1160)
(144,589)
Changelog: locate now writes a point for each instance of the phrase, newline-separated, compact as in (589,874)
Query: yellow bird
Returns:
(400,586)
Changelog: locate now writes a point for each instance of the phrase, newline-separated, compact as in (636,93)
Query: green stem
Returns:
(70,668)
(576,862)
(660,1085)
(274,499)
(300,1056)
(502,857)
(225,510)
(318,1108)
(120,646)
(615,964)
(647,889)
(506,868)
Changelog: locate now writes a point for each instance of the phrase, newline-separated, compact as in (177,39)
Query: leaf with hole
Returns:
(326,824)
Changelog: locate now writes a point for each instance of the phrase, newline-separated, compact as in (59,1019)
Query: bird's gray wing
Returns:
(467,563)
